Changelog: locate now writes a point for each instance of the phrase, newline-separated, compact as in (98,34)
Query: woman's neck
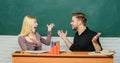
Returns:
(32,37)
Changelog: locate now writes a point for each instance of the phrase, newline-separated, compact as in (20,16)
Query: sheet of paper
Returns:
(36,52)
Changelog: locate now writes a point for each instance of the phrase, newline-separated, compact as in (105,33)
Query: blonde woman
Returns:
(29,39)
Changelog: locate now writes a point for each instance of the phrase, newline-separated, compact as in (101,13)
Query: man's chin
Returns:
(74,29)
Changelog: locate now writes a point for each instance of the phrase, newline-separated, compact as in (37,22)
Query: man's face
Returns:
(75,23)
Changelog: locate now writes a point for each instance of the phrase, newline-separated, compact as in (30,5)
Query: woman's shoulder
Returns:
(37,34)
(20,37)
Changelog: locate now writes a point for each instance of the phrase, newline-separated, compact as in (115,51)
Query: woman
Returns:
(29,39)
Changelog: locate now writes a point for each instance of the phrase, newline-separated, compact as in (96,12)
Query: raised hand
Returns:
(50,26)
(62,34)
(94,39)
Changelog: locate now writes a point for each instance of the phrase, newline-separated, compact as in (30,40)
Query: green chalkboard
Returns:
(103,15)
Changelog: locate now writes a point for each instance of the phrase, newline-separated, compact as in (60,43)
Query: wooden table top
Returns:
(62,54)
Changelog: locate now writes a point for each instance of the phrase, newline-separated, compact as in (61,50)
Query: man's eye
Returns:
(72,21)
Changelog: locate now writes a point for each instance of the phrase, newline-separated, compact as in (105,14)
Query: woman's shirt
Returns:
(26,45)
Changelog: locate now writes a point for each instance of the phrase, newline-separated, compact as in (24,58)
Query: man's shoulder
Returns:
(92,32)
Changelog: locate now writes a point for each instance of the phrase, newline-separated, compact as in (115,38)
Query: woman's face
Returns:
(34,26)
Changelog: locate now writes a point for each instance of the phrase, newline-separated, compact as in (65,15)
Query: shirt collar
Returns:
(85,32)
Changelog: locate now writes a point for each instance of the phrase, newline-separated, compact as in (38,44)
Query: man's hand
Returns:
(62,34)
(94,39)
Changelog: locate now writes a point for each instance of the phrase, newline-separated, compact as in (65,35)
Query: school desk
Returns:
(63,57)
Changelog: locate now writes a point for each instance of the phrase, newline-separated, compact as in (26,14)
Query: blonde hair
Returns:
(27,25)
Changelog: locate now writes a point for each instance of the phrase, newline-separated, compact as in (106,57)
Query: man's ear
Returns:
(79,22)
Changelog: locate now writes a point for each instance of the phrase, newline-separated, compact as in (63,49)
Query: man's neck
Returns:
(81,29)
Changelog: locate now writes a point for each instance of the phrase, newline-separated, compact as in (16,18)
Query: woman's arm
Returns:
(22,43)
(46,41)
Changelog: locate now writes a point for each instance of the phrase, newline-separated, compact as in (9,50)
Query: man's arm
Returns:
(95,42)
(63,36)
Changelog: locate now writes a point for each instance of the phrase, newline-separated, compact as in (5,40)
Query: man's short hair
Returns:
(80,16)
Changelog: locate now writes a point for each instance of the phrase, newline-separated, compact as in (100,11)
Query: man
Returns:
(84,39)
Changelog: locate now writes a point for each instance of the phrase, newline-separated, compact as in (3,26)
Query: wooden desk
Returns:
(69,57)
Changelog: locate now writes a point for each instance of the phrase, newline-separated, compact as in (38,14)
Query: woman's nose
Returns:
(36,23)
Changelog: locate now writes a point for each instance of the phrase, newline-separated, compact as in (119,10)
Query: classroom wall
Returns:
(9,44)
(103,15)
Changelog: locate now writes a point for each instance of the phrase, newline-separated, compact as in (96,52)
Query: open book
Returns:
(36,52)
(103,52)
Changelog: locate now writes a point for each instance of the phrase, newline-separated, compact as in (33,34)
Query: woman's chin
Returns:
(34,31)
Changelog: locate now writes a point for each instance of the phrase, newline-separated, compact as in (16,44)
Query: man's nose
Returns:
(71,23)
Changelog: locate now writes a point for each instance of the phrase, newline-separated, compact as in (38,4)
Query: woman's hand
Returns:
(50,26)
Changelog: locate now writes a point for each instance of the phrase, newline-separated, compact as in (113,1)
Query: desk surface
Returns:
(62,54)
(70,57)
